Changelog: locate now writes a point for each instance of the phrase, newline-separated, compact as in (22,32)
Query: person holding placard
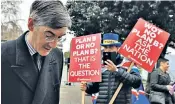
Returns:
(112,75)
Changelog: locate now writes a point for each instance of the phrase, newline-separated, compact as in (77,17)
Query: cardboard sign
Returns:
(85,59)
(144,44)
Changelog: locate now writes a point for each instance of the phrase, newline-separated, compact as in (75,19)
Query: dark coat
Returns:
(20,83)
(158,82)
(109,84)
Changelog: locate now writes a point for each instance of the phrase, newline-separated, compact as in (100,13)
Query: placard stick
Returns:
(83,95)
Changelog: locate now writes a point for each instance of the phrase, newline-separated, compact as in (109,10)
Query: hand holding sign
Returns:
(83,86)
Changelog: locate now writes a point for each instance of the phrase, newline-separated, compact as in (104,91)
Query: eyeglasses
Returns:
(50,37)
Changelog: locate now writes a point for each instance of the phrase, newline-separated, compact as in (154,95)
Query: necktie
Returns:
(38,60)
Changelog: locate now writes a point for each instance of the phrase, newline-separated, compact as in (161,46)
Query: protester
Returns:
(31,66)
(161,90)
(112,76)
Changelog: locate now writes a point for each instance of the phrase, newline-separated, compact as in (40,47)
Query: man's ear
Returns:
(160,63)
(30,24)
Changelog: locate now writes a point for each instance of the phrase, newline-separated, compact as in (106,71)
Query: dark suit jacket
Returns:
(159,81)
(20,83)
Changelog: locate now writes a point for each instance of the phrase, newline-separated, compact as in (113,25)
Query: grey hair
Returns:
(49,13)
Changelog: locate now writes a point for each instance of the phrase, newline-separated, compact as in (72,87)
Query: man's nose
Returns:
(53,44)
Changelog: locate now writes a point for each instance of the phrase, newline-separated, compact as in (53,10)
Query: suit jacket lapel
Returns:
(25,67)
(44,80)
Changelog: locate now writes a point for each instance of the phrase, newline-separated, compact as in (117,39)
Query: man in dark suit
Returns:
(160,83)
(31,68)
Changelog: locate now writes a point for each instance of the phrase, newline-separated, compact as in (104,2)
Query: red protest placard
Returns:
(144,44)
(85,59)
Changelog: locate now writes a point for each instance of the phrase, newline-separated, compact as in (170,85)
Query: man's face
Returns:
(44,39)
(111,49)
(165,65)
